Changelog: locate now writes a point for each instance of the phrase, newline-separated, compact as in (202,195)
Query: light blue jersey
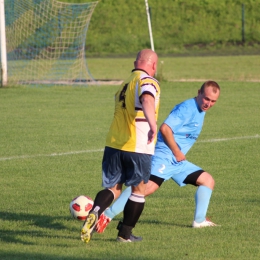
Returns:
(186,121)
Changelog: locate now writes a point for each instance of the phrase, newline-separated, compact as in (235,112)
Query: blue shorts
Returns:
(124,167)
(165,169)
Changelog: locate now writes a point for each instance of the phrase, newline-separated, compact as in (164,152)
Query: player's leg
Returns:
(153,184)
(118,206)
(205,183)
(132,211)
(137,176)
(102,200)
(112,181)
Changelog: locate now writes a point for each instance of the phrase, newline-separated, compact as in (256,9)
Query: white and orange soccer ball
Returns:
(80,207)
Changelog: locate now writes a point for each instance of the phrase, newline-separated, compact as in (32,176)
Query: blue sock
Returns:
(202,198)
(118,206)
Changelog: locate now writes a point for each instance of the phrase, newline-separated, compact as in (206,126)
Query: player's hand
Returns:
(180,156)
(151,136)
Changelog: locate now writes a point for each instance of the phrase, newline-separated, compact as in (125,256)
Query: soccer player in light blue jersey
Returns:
(176,136)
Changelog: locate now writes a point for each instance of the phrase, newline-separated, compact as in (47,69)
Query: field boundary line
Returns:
(49,155)
(228,139)
(221,80)
(101,150)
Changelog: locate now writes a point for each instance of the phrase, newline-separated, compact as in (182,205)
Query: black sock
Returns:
(103,200)
(132,212)
(124,231)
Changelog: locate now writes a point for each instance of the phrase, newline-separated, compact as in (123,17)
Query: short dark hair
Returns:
(210,83)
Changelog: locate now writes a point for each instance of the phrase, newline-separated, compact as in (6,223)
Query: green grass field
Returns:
(51,151)
(200,68)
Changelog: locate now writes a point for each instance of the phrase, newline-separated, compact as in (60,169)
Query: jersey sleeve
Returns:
(178,117)
(148,85)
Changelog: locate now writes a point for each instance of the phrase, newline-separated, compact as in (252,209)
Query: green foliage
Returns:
(50,152)
(120,26)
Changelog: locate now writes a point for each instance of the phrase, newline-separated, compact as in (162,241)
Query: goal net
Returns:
(45,42)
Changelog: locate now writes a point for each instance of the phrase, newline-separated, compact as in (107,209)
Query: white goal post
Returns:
(43,42)
(3,45)
(149,24)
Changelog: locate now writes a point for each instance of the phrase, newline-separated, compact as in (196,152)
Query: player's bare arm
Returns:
(148,104)
(168,137)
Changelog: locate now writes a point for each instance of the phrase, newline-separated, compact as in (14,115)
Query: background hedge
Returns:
(120,26)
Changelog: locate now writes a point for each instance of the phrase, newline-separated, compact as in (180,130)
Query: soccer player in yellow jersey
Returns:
(129,147)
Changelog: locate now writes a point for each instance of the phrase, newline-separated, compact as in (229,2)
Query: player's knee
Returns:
(207,180)
(151,188)
(210,182)
(140,188)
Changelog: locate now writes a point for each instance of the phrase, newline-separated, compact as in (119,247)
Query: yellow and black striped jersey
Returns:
(129,128)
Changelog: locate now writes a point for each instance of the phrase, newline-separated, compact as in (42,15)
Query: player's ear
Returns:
(154,66)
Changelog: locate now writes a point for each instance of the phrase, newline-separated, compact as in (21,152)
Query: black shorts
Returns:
(190,179)
(124,167)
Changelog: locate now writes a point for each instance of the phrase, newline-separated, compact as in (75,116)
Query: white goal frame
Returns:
(33,51)
(3,45)
(149,24)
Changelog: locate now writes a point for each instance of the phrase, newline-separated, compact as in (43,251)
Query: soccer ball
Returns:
(80,207)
